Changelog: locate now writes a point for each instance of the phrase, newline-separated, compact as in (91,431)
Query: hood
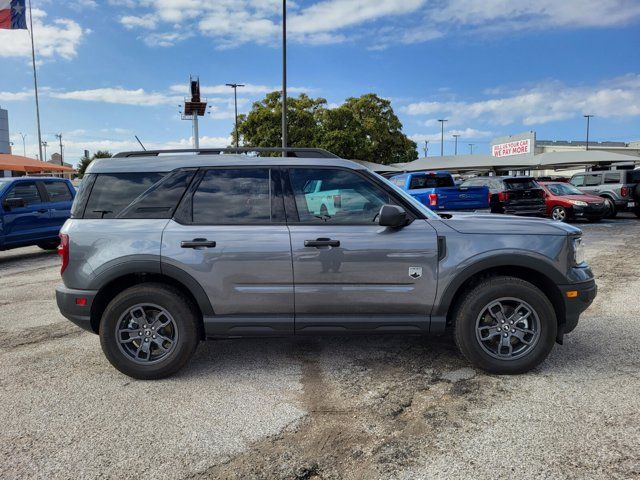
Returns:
(486,223)
(583,198)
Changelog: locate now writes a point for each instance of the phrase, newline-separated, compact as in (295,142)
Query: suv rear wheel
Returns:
(505,325)
(149,331)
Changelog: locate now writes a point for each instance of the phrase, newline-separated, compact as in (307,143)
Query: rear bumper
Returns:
(67,303)
(574,307)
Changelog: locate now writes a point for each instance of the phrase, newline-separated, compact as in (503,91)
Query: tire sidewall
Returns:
(478,299)
(182,313)
(560,208)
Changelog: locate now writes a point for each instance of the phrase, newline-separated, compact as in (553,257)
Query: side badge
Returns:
(415,272)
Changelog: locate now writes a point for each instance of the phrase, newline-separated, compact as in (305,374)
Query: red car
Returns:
(566,202)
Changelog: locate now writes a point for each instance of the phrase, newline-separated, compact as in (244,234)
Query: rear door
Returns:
(592,183)
(350,273)
(28,223)
(229,234)
(59,203)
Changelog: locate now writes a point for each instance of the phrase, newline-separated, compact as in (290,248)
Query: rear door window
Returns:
(27,191)
(233,196)
(58,191)
(113,192)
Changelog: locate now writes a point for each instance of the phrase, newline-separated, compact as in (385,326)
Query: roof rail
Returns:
(290,152)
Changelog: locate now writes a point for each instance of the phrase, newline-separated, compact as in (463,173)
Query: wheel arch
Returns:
(172,276)
(543,276)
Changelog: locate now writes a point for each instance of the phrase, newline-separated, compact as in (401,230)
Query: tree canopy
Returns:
(85,161)
(363,128)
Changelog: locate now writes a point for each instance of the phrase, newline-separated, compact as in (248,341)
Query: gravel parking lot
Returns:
(333,407)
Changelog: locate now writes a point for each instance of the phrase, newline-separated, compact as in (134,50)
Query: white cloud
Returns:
(543,103)
(59,37)
(120,96)
(143,21)
(15,96)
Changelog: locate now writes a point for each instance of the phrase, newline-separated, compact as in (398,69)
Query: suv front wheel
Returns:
(505,325)
(149,331)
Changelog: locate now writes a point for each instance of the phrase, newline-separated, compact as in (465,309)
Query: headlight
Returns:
(578,251)
(579,203)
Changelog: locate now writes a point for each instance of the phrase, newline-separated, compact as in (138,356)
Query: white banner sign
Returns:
(518,147)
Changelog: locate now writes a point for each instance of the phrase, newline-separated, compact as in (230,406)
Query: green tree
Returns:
(85,161)
(363,128)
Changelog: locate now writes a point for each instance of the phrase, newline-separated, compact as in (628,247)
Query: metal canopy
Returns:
(378,167)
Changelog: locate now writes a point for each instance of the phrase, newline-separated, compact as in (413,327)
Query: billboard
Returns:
(521,144)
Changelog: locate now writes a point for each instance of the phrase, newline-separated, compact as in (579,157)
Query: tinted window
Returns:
(160,201)
(612,178)
(112,192)
(430,181)
(82,194)
(342,197)
(58,191)
(27,191)
(520,183)
(591,180)
(578,180)
(233,196)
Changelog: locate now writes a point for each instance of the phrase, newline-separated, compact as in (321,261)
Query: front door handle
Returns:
(43,210)
(322,242)
(198,243)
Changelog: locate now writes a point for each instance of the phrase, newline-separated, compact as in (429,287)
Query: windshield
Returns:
(428,213)
(563,189)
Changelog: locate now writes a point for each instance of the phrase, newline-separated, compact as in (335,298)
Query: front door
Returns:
(28,223)
(229,234)
(350,273)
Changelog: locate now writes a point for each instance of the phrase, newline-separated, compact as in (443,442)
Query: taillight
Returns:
(624,191)
(503,196)
(63,251)
(433,199)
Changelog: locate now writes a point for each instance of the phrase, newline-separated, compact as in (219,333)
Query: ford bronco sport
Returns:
(165,249)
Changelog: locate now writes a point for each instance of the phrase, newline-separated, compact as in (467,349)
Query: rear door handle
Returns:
(322,242)
(198,243)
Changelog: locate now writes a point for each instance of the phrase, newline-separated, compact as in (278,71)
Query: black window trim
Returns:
(184,212)
(292,209)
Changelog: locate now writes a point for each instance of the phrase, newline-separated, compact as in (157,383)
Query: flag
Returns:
(13,14)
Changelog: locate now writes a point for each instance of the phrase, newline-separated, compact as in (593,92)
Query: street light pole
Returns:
(442,136)
(588,117)
(235,103)
(59,137)
(456,135)
(24,143)
(426,148)
(471,149)
(284,77)
(44,144)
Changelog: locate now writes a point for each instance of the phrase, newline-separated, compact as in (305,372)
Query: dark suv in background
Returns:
(512,195)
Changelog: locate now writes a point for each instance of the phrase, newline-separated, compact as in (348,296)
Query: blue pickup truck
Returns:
(438,191)
(32,210)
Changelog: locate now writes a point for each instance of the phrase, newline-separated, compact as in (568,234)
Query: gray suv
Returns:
(165,250)
(615,186)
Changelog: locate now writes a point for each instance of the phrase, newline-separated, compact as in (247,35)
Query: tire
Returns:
(50,245)
(470,320)
(141,304)
(612,211)
(559,214)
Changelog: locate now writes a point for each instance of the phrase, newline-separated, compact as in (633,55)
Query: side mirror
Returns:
(392,216)
(11,203)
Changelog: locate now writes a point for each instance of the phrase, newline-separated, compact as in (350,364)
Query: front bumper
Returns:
(574,306)
(590,211)
(75,305)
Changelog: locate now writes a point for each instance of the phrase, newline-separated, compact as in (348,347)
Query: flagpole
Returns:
(35,83)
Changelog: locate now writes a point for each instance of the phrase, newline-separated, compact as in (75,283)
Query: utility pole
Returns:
(426,148)
(471,148)
(44,144)
(24,143)
(442,136)
(456,135)
(59,137)
(35,81)
(588,117)
(235,102)
(284,77)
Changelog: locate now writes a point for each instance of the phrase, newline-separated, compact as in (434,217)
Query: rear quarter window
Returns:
(113,192)
(430,181)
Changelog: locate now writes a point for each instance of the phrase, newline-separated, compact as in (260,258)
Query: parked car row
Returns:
(590,195)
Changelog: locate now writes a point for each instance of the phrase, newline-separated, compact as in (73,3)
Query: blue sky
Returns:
(112,69)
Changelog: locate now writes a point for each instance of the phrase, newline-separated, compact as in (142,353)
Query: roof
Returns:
(166,163)
(378,167)
(516,162)
(19,163)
